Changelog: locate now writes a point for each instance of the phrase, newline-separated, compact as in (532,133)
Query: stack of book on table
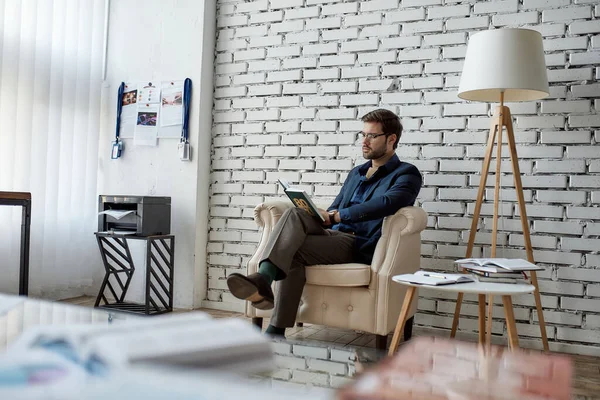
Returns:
(498,270)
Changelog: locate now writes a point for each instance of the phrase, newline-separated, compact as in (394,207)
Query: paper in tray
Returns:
(117,214)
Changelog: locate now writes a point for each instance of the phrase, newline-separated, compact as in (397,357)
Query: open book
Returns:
(301,199)
(433,278)
(497,264)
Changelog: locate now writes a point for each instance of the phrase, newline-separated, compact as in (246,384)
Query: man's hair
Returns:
(390,123)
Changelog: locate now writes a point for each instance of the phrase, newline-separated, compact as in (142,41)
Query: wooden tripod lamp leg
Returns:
(525,225)
(477,211)
(540,311)
(488,334)
(497,187)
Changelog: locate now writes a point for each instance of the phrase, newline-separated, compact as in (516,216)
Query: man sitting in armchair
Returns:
(352,226)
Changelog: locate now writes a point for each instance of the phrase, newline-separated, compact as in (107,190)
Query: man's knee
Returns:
(294,214)
(298,219)
(293,210)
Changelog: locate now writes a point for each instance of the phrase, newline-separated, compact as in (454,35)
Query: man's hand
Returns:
(335,218)
(325,216)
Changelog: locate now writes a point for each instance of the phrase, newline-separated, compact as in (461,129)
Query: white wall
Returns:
(153,40)
(293,77)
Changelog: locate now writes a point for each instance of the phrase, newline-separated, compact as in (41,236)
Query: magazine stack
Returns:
(498,270)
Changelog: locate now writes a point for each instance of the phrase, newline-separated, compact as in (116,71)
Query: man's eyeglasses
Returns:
(371,136)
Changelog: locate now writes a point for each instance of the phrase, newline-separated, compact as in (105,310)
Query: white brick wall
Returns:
(294,76)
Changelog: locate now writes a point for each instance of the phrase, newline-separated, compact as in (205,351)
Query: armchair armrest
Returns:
(407,223)
(408,220)
(398,251)
(266,216)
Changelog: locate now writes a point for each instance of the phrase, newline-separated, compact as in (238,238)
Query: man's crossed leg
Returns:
(297,241)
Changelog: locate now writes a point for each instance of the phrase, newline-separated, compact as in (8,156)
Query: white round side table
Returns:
(506,290)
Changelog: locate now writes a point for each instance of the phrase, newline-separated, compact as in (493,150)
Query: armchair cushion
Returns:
(347,275)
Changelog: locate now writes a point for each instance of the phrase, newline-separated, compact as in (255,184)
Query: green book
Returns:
(301,199)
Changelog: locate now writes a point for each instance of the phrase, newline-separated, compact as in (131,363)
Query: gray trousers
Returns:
(299,240)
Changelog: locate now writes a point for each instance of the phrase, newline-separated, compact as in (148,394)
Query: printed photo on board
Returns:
(129,98)
(147,118)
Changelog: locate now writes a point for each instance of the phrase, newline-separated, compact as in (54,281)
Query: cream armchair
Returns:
(354,296)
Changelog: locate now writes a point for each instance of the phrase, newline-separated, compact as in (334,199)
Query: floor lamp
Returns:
(503,65)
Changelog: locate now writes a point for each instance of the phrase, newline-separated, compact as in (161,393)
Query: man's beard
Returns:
(373,154)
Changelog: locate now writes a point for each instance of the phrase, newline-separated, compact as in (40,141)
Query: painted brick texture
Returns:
(293,77)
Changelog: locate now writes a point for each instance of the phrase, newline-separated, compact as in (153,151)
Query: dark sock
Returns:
(273,330)
(268,270)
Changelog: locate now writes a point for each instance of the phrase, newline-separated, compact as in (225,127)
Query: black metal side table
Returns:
(118,263)
(22,199)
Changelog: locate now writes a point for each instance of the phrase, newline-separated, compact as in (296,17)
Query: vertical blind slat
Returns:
(8,104)
(50,58)
(40,120)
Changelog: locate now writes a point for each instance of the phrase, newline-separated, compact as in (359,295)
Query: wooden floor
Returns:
(586,380)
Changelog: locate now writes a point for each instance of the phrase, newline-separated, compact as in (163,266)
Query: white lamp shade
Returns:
(504,60)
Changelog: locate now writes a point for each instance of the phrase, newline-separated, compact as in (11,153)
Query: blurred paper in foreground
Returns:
(443,369)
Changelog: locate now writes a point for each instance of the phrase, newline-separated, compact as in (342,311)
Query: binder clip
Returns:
(117,149)
(185,151)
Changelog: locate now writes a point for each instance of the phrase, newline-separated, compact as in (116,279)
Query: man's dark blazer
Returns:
(397,184)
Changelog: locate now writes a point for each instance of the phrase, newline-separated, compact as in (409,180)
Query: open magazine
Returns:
(301,199)
(429,278)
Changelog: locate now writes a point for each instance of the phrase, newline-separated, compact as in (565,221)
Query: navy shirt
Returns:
(364,203)
(359,195)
